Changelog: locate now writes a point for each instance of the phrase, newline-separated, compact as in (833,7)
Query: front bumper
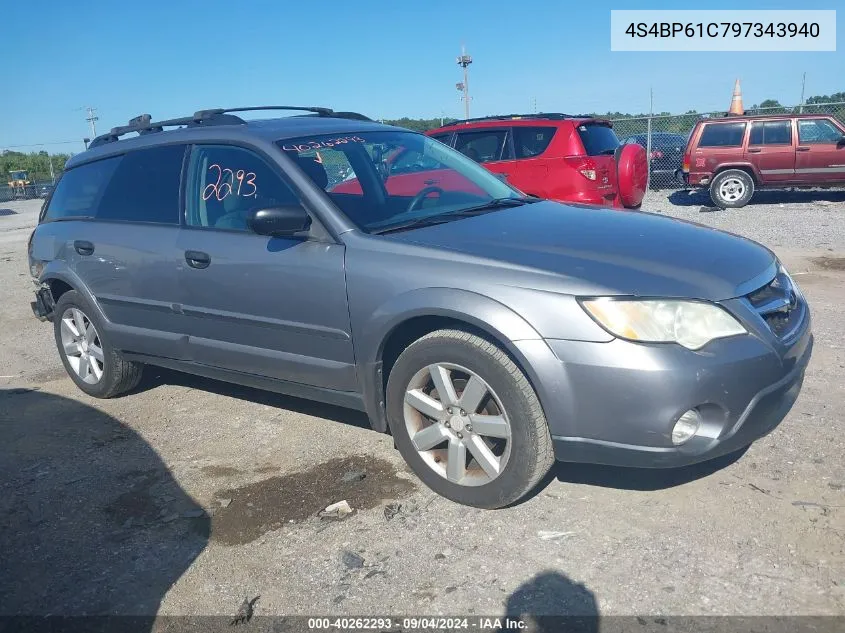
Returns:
(626,397)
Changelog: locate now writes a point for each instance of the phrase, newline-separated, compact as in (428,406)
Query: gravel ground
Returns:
(188,495)
(802,219)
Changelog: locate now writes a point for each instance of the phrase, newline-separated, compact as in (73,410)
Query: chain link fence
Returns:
(665,135)
(34,185)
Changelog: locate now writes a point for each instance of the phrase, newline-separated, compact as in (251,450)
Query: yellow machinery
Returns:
(20,184)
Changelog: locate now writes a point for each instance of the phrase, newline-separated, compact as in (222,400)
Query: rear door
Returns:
(820,155)
(771,150)
(532,169)
(489,146)
(269,306)
(126,254)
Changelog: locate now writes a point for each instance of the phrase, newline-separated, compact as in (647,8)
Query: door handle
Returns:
(754,150)
(197,259)
(802,149)
(83,247)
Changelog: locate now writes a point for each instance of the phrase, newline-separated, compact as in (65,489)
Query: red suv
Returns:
(554,156)
(738,154)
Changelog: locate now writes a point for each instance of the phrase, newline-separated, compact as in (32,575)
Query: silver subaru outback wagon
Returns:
(334,258)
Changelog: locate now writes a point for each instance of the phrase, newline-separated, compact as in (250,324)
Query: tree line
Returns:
(666,121)
(37,164)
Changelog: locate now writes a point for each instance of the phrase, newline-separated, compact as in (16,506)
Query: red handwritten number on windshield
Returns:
(224,186)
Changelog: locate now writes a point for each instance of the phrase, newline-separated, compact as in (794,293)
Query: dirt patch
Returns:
(263,470)
(267,505)
(219,471)
(137,503)
(830,263)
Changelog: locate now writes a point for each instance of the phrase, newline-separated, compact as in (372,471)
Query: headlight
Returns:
(692,324)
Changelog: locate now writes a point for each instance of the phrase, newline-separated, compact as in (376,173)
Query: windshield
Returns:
(394,178)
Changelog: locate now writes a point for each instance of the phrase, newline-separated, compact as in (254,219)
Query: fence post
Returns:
(648,136)
(648,151)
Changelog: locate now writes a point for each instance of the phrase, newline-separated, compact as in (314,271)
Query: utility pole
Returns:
(91,118)
(803,82)
(464,61)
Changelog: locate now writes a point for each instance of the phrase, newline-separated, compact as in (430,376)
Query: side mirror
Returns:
(283,221)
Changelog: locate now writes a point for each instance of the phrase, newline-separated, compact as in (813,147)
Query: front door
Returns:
(771,150)
(820,157)
(267,306)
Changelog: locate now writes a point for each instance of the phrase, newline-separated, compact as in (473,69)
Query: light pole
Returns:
(464,61)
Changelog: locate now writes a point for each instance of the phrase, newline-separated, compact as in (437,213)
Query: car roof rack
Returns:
(555,116)
(143,123)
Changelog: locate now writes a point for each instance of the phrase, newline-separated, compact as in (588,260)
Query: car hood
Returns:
(602,251)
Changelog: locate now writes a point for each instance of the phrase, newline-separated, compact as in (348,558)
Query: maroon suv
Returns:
(736,155)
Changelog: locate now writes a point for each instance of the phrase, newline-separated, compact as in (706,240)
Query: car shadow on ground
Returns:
(549,603)
(701,197)
(642,479)
(156,377)
(93,522)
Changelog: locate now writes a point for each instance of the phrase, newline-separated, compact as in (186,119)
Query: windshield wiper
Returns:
(495,203)
(442,218)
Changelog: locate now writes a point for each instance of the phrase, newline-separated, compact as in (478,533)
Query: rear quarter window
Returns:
(722,135)
(598,139)
(80,189)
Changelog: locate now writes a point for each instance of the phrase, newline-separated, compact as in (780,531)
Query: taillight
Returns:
(685,163)
(584,165)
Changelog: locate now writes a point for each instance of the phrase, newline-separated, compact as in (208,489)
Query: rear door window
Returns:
(818,131)
(722,135)
(531,141)
(80,189)
(771,133)
(145,187)
(482,146)
(598,139)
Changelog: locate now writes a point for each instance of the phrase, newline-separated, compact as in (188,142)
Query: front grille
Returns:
(780,306)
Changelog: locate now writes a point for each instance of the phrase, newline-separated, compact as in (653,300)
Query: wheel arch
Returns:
(748,168)
(408,317)
(61,279)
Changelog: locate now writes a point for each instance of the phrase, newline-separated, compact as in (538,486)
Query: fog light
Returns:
(686,426)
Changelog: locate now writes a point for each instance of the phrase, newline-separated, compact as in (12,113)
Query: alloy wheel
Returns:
(457,424)
(81,346)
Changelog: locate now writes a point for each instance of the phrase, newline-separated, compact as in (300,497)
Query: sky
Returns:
(384,59)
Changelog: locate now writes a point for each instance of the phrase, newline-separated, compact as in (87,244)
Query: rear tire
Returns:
(508,451)
(732,189)
(89,359)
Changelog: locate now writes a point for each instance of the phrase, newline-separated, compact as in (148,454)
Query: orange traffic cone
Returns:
(736,101)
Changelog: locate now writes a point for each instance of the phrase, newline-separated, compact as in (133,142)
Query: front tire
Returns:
(89,359)
(732,189)
(467,421)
